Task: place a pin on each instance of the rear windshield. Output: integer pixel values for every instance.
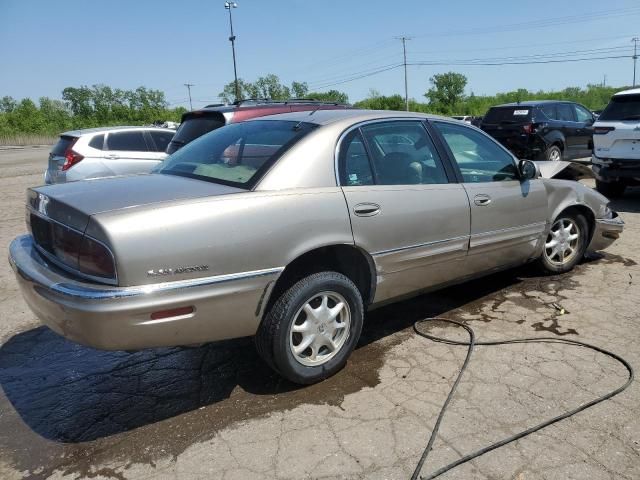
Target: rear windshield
(622, 107)
(515, 114)
(195, 126)
(60, 148)
(237, 154)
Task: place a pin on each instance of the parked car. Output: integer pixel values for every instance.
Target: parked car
(106, 152)
(289, 227)
(463, 118)
(198, 122)
(542, 130)
(616, 155)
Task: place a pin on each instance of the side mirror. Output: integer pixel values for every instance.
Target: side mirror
(528, 170)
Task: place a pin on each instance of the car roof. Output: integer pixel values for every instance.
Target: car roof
(631, 91)
(263, 104)
(530, 103)
(325, 117)
(88, 131)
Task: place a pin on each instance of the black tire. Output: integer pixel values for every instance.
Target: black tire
(547, 264)
(610, 189)
(272, 338)
(553, 153)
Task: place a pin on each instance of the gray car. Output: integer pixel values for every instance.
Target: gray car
(106, 152)
(289, 228)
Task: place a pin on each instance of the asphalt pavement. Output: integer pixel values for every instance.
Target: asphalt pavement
(217, 412)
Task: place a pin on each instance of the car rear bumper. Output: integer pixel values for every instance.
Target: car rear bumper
(606, 231)
(119, 318)
(616, 170)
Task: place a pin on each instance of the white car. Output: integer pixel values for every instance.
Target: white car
(463, 118)
(106, 152)
(616, 144)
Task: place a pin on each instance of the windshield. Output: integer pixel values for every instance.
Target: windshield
(236, 154)
(622, 107)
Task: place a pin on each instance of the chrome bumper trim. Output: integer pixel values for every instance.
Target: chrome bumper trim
(23, 262)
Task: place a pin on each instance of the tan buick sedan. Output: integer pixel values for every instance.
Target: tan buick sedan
(288, 228)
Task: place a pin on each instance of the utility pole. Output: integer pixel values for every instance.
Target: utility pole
(232, 39)
(635, 41)
(189, 85)
(406, 86)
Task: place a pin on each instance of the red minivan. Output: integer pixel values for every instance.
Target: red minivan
(198, 122)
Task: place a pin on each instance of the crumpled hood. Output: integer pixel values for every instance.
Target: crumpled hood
(564, 170)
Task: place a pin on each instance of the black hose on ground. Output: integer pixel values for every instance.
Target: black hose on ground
(471, 344)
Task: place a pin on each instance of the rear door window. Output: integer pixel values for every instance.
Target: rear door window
(97, 142)
(550, 111)
(622, 107)
(132, 141)
(161, 139)
(355, 167)
(402, 153)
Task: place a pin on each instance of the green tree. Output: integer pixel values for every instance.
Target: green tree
(446, 92)
(7, 104)
(330, 96)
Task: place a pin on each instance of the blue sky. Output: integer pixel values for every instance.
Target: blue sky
(47, 45)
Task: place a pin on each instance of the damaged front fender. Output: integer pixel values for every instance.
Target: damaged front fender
(564, 170)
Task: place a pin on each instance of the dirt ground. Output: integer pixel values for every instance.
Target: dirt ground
(216, 412)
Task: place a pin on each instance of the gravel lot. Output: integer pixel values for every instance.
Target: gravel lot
(216, 411)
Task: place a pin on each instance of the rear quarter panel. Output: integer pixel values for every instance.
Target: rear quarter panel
(230, 234)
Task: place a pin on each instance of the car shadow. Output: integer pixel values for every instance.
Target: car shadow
(629, 202)
(66, 392)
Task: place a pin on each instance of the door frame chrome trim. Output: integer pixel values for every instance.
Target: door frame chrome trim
(420, 245)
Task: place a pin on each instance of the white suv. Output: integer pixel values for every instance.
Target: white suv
(106, 152)
(616, 144)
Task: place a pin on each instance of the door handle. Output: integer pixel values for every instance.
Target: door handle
(482, 199)
(112, 156)
(366, 209)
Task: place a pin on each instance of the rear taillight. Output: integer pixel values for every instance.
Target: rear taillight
(529, 128)
(71, 157)
(95, 259)
(602, 130)
(65, 244)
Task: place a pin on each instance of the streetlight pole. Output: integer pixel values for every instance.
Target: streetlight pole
(635, 41)
(232, 39)
(189, 85)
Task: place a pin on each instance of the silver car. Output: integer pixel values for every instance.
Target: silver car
(106, 152)
(289, 228)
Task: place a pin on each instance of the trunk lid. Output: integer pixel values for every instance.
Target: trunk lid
(73, 203)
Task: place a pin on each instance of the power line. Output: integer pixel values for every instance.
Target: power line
(357, 77)
(533, 62)
(542, 23)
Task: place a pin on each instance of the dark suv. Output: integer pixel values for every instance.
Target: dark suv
(542, 130)
(198, 122)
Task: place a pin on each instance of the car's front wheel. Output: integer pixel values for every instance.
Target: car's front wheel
(312, 328)
(566, 243)
(610, 189)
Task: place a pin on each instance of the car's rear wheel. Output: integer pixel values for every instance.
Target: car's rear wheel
(610, 189)
(313, 327)
(553, 153)
(566, 243)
